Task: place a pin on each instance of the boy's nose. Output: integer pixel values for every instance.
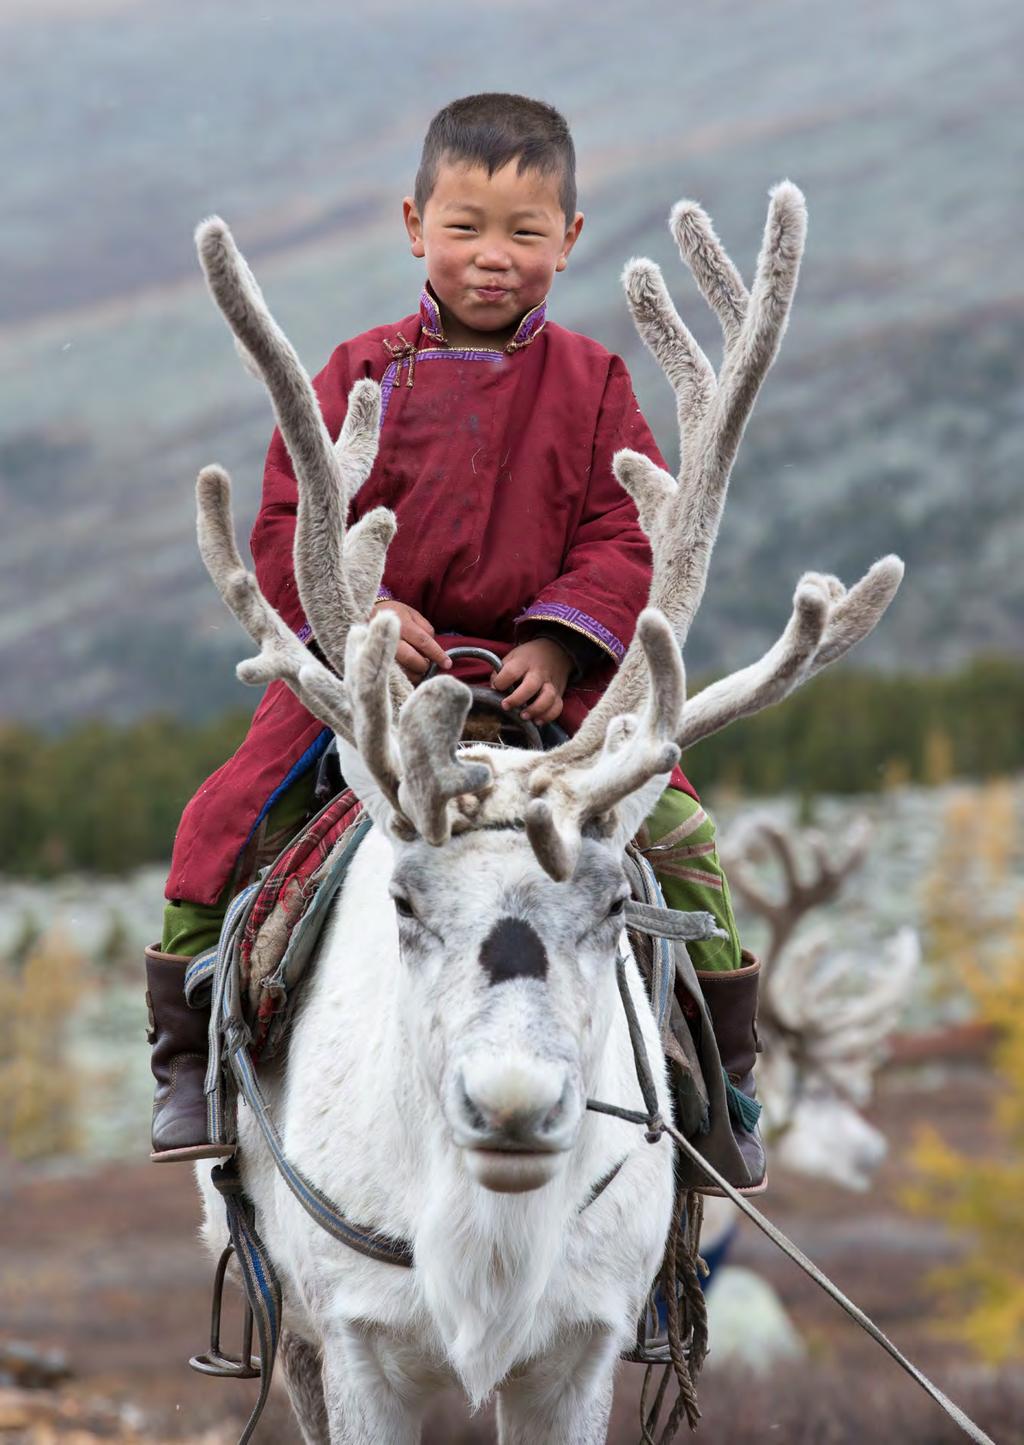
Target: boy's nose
(493, 259)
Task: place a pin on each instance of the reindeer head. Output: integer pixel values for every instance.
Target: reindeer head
(507, 880)
(825, 1013)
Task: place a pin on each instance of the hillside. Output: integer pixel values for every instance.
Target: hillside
(893, 419)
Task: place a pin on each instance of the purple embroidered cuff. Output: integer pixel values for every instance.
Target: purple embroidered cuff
(304, 633)
(579, 622)
(383, 595)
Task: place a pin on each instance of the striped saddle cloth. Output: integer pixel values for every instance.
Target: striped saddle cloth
(286, 911)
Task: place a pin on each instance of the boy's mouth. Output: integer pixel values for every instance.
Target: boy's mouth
(492, 293)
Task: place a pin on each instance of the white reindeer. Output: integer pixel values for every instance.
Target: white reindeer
(824, 1013)
(464, 1005)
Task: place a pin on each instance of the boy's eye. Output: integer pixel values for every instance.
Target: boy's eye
(527, 233)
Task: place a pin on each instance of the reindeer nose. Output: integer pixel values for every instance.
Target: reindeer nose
(511, 950)
(514, 1104)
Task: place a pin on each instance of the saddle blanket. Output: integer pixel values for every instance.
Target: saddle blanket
(272, 948)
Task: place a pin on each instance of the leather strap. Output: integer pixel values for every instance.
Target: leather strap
(260, 1282)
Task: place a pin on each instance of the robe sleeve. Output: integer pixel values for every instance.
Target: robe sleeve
(273, 534)
(606, 573)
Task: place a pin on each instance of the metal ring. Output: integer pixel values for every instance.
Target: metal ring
(491, 700)
(483, 653)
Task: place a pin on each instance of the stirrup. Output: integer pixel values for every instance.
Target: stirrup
(651, 1344)
(245, 1366)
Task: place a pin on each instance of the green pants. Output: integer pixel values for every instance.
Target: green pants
(678, 839)
(191, 928)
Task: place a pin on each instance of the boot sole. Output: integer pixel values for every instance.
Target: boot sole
(745, 1190)
(194, 1151)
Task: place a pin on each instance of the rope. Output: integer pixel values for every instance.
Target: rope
(686, 1400)
(775, 1234)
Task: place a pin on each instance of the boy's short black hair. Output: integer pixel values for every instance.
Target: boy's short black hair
(494, 128)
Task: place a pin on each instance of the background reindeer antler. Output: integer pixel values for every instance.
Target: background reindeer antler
(832, 863)
(824, 1013)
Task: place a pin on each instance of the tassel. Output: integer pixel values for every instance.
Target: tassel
(743, 1112)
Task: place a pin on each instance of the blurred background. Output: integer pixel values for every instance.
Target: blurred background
(892, 909)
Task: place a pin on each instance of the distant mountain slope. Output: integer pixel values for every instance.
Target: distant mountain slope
(893, 419)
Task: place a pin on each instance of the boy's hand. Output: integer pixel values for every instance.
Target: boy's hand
(417, 649)
(542, 669)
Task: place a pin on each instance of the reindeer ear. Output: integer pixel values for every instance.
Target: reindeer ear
(365, 786)
(632, 810)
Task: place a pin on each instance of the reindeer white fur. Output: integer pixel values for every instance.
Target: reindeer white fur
(825, 1013)
(435, 1084)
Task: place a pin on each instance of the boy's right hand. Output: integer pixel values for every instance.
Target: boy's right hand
(417, 648)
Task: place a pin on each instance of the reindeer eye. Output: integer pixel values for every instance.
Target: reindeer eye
(403, 907)
(617, 908)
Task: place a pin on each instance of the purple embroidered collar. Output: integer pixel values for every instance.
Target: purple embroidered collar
(430, 317)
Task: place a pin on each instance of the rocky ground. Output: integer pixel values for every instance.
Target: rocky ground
(101, 1264)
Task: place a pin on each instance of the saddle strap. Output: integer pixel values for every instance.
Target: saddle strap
(316, 1204)
(260, 1282)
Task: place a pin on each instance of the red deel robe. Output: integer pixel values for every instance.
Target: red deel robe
(497, 465)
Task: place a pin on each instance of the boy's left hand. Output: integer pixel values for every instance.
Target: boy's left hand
(542, 670)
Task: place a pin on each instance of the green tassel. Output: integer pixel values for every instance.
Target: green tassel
(743, 1112)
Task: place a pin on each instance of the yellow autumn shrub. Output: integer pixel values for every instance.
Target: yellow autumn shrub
(37, 1082)
(981, 1295)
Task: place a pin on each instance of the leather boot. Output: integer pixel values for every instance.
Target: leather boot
(178, 1034)
(732, 1003)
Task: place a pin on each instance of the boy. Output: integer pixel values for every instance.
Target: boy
(497, 433)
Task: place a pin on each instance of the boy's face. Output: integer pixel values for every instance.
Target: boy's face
(492, 245)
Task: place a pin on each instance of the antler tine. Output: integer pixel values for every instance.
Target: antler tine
(750, 349)
(782, 669)
(671, 343)
(849, 617)
(429, 728)
(369, 653)
(636, 750)
(800, 894)
(752, 328)
(720, 282)
(859, 610)
(555, 842)
(282, 656)
(328, 475)
(681, 519)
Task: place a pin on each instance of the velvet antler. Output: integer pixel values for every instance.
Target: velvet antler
(681, 515)
(337, 570)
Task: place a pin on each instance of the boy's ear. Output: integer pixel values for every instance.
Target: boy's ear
(414, 226)
(572, 235)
